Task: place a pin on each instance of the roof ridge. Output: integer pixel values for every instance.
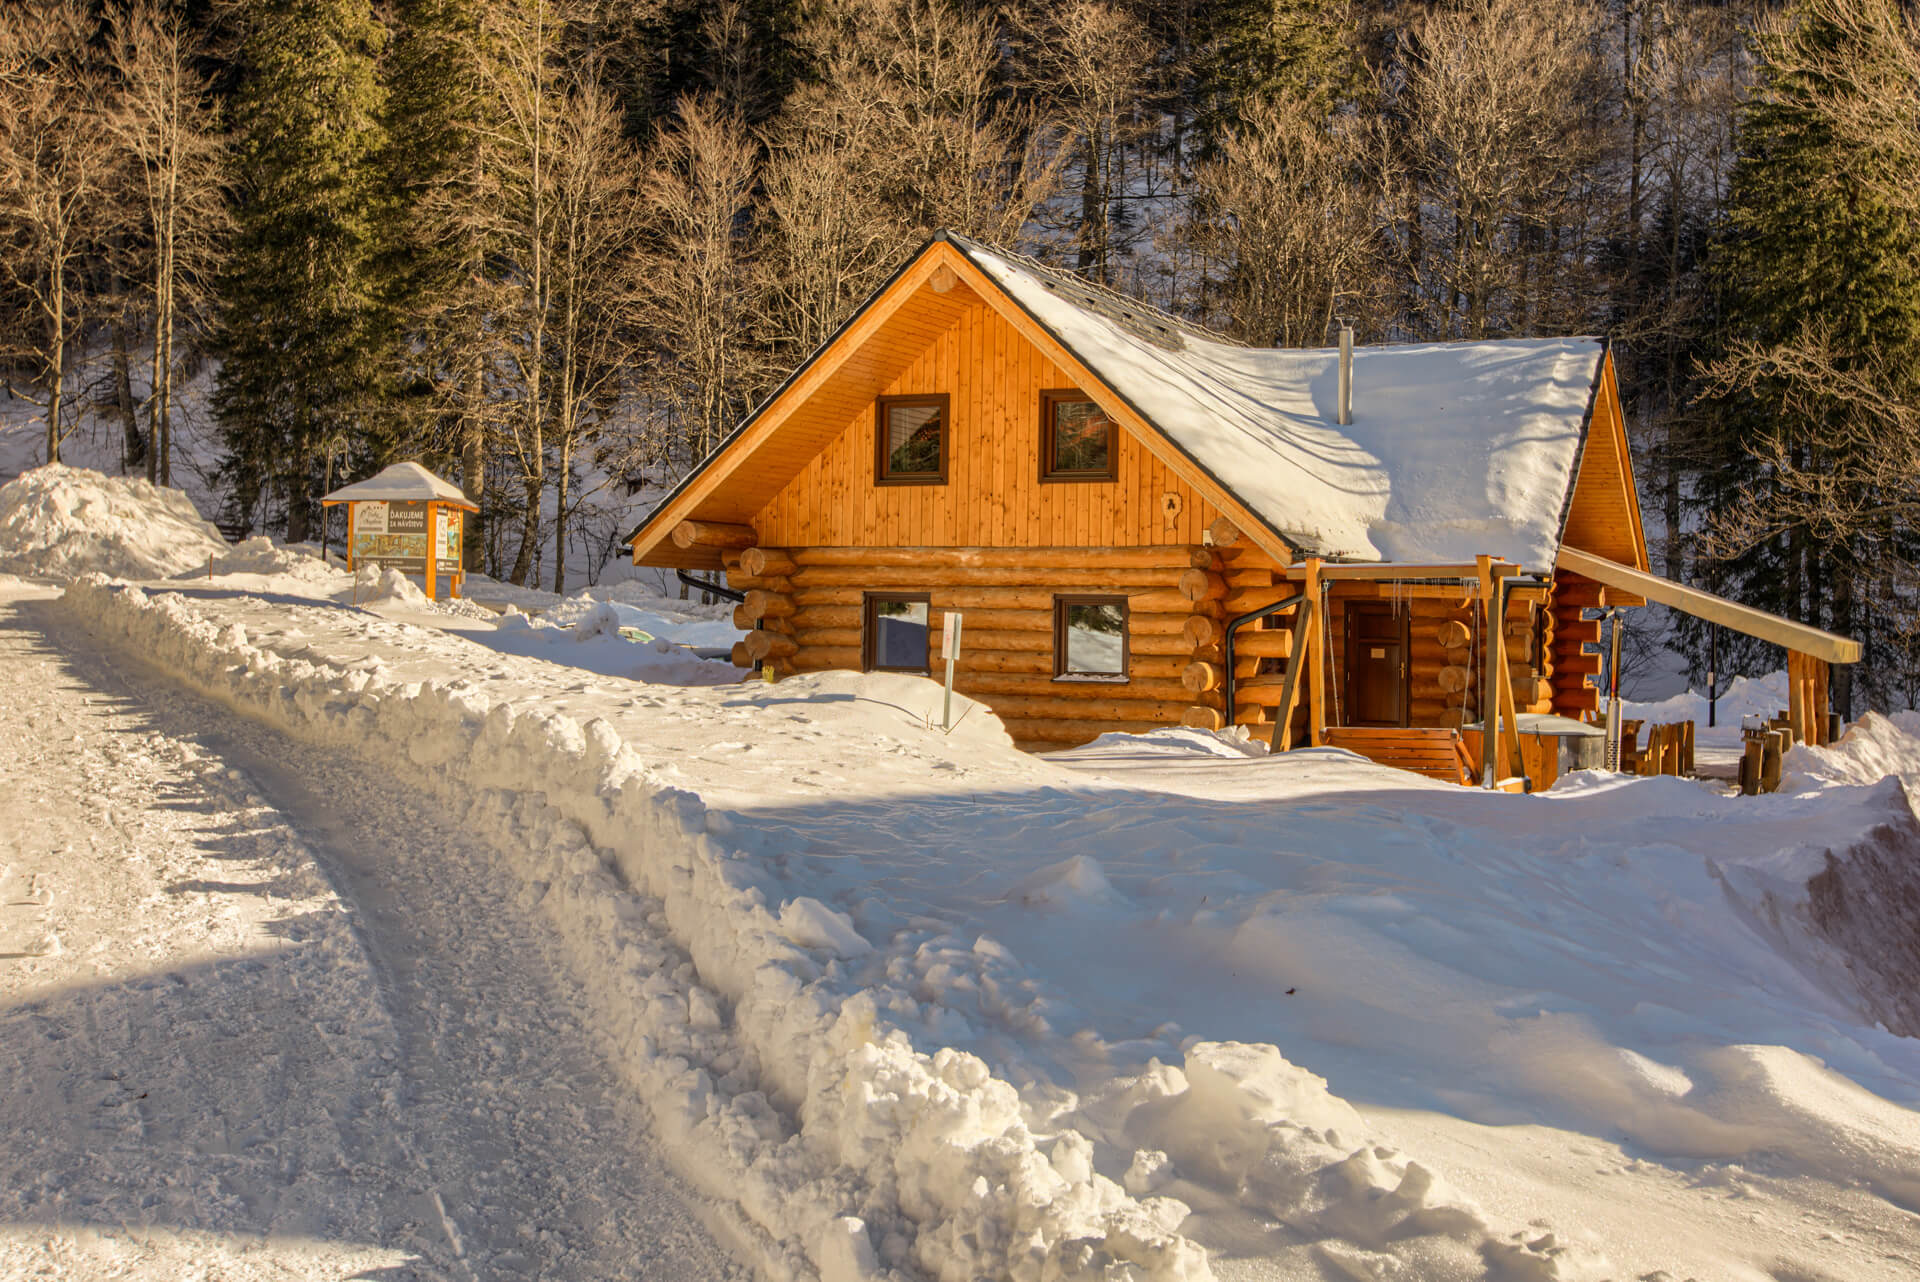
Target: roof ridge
(1124, 309)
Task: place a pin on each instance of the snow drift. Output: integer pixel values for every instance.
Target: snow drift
(63, 521)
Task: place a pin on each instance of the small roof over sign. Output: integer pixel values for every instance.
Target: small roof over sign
(402, 483)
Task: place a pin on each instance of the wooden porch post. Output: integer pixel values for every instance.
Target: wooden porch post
(1817, 681)
(1317, 664)
(433, 565)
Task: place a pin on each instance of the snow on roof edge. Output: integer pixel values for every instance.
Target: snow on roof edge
(401, 483)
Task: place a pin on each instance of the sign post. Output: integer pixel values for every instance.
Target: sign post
(950, 647)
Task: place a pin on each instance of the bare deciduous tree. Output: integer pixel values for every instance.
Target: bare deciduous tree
(164, 124)
(1504, 141)
(55, 157)
(1287, 214)
(708, 362)
(597, 226)
(1091, 63)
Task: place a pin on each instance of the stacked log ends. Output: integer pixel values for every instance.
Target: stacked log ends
(766, 563)
(768, 605)
(1454, 679)
(1201, 677)
(1202, 719)
(1200, 585)
(713, 534)
(769, 645)
(1223, 533)
(1455, 635)
(1201, 630)
(739, 655)
(744, 619)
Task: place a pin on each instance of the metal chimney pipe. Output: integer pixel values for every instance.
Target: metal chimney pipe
(1346, 373)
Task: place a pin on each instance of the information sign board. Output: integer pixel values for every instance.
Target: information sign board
(394, 534)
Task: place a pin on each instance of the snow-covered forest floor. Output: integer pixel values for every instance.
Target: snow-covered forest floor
(894, 1002)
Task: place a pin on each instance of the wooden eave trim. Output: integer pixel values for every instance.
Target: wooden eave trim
(1714, 609)
(699, 484)
(1157, 443)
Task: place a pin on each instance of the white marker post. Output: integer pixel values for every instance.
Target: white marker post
(950, 647)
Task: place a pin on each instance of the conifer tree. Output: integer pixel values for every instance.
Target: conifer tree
(303, 338)
(1295, 52)
(1819, 274)
(444, 287)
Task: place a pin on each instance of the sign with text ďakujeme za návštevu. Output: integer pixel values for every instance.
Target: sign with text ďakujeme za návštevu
(394, 534)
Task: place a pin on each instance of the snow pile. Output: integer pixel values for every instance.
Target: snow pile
(63, 521)
(1235, 741)
(658, 618)
(608, 638)
(782, 1086)
(263, 557)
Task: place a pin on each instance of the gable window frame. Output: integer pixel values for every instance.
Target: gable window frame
(882, 472)
(1062, 659)
(1050, 471)
(870, 603)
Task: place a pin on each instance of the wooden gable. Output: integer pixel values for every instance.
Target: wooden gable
(994, 495)
(801, 469)
(1603, 512)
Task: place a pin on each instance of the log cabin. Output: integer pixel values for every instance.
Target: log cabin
(1144, 523)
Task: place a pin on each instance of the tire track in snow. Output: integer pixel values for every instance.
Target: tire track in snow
(527, 1154)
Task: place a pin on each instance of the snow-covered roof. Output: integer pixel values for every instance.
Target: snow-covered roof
(1455, 449)
(401, 483)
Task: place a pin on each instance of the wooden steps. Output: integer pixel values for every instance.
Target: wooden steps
(1436, 753)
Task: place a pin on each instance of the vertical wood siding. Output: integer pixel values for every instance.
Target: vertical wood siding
(993, 496)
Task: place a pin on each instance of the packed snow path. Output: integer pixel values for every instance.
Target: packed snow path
(264, 1013)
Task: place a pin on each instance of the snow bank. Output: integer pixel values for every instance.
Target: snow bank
(263, 557)
(611, 639)
(1745, 696)
(781, 1087)
(64, 521)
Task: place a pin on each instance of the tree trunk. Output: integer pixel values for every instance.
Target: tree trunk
(56, 361)
(134, 447)
(560, 524)
(473, 463)
(529, 530)
(299, 519)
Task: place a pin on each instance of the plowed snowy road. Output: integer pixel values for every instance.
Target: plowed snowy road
(262, 1015)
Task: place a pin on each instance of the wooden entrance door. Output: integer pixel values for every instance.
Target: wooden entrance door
(1376, 676)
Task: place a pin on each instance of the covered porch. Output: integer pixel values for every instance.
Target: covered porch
(1410, 666)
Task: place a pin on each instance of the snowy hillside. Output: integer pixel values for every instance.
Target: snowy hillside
(906, 1004)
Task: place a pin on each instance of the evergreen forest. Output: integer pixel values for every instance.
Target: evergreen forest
(550, 246)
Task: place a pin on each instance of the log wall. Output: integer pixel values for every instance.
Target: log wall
(1575, 667)
(811, 617)
(993, 496)
(806, 611)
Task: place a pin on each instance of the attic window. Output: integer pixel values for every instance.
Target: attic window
(1078, 441)
(910, 436)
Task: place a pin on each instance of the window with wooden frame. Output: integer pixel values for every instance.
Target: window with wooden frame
(1090, 638)
(894, 636)
(1078, 442)
(910, 439)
